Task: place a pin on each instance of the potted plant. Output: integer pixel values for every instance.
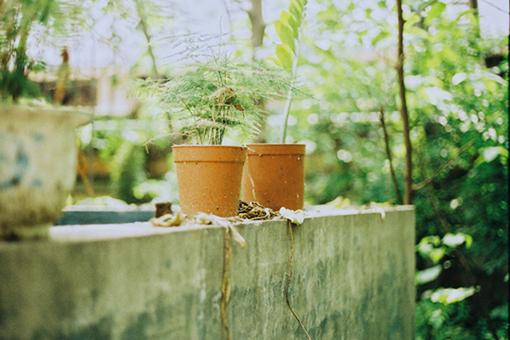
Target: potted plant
(37, 140)
(206, 102)
(274, 173)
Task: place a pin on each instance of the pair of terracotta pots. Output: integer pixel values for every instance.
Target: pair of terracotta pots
(210, 176)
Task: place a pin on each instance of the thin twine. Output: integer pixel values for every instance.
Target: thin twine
(225, 284)
(288, 277)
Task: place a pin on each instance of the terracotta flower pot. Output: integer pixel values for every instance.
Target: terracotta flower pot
(274, 175)
(209, 178)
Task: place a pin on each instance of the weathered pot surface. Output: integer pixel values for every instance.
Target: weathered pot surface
(37, 166)
(209, 178)
(274, 175)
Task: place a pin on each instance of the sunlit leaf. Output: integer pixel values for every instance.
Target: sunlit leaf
(284, 56)
(455, 240)
(494, 77)
(286, 35)
(296, 9)
(436, 10)
(437, 254)
(380, 36)
(491, 153)
(428, 275)
(448, 296)
(458, 78)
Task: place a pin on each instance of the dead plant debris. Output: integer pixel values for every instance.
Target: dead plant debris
(247, 211)
(168, 220)
(255, 212)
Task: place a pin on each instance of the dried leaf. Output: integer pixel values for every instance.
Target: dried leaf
(168, 220)
(295, 216)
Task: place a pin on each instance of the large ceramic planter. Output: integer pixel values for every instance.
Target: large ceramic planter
(37, 167)
(274, 175)
(209, 178)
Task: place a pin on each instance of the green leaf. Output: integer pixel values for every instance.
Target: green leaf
(286, 35)
(428, 275)
(296, 10)
(284, 16)
(458, 78)
(285, 57)
(448, 296)
(494, 77)
(291, 20)
(380, 36)
(412, 19)
(455, 240)
(298, 4)
(491, 153)
(437, 254)
(435, 11)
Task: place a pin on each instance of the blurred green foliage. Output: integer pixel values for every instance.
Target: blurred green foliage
(128, 171)
(17, 19)
(457, 88)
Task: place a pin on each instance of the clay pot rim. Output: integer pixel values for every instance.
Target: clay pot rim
(276, 144)
(270, 149)
(199, 153)
(208, 146)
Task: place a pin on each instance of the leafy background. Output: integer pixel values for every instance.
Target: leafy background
(457, 90)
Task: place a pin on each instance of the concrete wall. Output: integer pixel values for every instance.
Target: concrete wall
(353, 278)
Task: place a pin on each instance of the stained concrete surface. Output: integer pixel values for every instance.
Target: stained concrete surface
(353, 278)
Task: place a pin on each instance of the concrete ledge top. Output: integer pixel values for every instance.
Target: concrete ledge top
(100, 232)
(96, 232)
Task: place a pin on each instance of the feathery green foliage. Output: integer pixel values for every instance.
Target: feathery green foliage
(208, 99)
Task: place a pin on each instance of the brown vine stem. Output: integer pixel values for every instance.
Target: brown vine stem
(388, 154)
(225, 284)
(408, 194)
(288, 277)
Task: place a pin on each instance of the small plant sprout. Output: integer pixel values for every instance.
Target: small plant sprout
(288, 29)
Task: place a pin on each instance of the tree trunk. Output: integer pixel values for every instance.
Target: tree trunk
(408, 195)
(258, 26)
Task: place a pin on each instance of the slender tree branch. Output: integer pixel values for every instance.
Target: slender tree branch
(145, 30)
(388, 154)
(473, 4)
(408, 195)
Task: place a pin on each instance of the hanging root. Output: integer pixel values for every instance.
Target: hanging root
(225, 284)
(288, 277)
